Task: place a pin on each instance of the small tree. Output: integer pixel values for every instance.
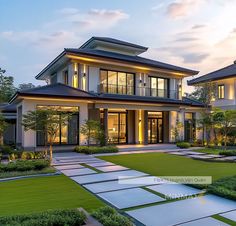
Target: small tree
(47, 121)
(3, 126)
(177, 129)
(92, 130)
(226, 120)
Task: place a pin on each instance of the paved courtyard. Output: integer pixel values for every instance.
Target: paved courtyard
(144, 197)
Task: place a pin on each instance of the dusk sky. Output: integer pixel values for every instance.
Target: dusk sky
(197, 34)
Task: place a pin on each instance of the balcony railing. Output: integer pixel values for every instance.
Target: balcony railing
(139, 91)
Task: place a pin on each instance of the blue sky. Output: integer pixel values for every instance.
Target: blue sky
(198, 34)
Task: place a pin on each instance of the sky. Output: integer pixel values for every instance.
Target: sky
(196, 34)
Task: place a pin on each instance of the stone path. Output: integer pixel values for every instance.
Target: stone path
(146, 195)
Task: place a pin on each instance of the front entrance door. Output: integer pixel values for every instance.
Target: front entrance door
(155, 131)
(117, 133)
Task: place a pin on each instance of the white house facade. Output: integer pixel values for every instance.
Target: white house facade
(137, 100)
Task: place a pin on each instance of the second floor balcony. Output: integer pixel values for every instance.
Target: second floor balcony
(139, 91)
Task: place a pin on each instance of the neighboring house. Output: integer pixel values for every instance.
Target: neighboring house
(137, 100)
(225, 81)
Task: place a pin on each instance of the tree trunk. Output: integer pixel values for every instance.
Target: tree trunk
(50, 149)
(225, 141)
(203, 135)
(1, 139)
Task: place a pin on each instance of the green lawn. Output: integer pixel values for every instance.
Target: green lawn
(161, 164)
(44, 193)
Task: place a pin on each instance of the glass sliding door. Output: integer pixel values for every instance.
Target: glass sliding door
(67, 133)
(155, 127)
(117, 133)
(130, 84)
(153, 87)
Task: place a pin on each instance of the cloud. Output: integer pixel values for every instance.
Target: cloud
(198, 26)
(182, 8)
(194, 57)
(67, 30)
(186, 39)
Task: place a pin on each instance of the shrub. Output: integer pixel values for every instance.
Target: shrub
(6, 149)
(228, 152)
(108, 216)
(225, 187)
(47, 218)
(24, 165)
(96, 150)
(183, 145)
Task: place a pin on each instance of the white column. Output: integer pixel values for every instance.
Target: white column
(198, 131)
(28, 137)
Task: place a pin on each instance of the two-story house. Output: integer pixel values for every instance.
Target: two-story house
(224, 80)
(137, 100)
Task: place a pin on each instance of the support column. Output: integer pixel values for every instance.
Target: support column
(106, 123)
(83, 117)
(181, 120)
(145, 116)
(199, 132)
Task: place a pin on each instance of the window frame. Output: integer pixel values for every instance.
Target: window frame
(117, 81)
(166, 81)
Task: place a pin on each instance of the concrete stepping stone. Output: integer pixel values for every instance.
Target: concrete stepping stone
(194, 153)
(111, 168)
(178, 153)
(97, 164)
(200, 156)
(182, 211)
(209, 221)
(230, 215)
(100, 177)
(173, 191)
(130, 197)
(76, 172)
(72, 166)
(81, 160)
(122, 184)
(230, 158)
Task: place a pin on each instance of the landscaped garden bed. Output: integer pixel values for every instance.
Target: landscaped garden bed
(96, 149)
(225, 187)
(25, 167)
(72, 217)
(108, 216)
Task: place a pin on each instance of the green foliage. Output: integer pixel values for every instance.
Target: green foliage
(176, 130)
(5, 149)
(3, 126)
(225, 187)
(7, 88)
(228, 152)
(24, 165)
(47, 121)
(47, 218)
(92, 130)
(225, 121)
(108, 216)
(96, 150)
(183, 145)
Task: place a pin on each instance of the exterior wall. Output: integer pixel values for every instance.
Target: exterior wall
(229, 102)
(94, 79)
(27, 139)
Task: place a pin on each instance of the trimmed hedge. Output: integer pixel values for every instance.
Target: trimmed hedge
(225, 187)
(108, 216)
(47, 218)
(95, 150)
(183, 145)
(24, 165)
(228, 152)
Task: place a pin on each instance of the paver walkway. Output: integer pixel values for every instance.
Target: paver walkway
(125, 188)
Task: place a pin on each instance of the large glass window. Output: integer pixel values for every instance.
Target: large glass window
(116, 82)
(221, 91)
(67, 133)
(158, 87)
